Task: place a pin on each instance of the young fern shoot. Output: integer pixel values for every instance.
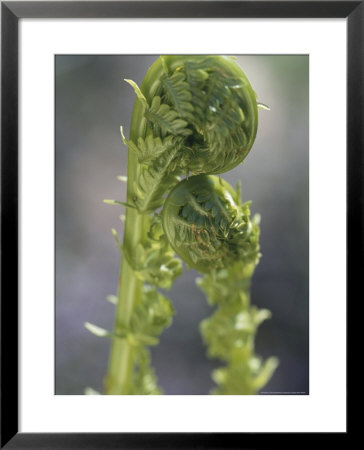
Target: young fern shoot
(194, 116)
(211, 229)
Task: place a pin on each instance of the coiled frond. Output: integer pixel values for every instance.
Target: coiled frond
(199, 115)
(207, 226)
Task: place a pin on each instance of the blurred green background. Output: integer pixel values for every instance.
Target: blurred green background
(92, 101)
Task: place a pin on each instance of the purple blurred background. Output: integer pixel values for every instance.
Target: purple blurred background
(92, 102)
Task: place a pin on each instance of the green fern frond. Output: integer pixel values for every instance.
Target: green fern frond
(165, 119)
(177, 93)
(151, 148)
(144, 381)
(229, 333)
(153, 314)
(197, 76)
(206, 226)
(154, 181)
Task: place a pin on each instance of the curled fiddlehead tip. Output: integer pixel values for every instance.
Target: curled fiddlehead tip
(193, 114)
(207, 226)
(214, 96)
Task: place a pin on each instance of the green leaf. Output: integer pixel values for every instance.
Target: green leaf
(165, 118)
(178, 93)
(265, 373)
(97, 331)
(263, 106)
(151, 148)
(151, 316)
(137, 90)
(117, 202)
(155, 181)
(112, 299)
(116, 237)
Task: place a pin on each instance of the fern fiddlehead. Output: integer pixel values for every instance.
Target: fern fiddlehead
(211, 230)
(206, 225)
(193, 114)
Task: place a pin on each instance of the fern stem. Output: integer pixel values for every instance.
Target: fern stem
(121, 362)
(118, 379)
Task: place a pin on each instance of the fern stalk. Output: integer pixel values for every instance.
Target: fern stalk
(121, 361)
(118, 378)
(211, 229)
(125, 355)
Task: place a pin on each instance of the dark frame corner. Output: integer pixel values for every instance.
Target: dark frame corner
(11, 12)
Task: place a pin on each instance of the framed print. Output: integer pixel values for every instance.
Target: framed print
(271, 157)
(187, 82)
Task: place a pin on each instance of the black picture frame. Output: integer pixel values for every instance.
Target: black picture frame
(11, 12)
